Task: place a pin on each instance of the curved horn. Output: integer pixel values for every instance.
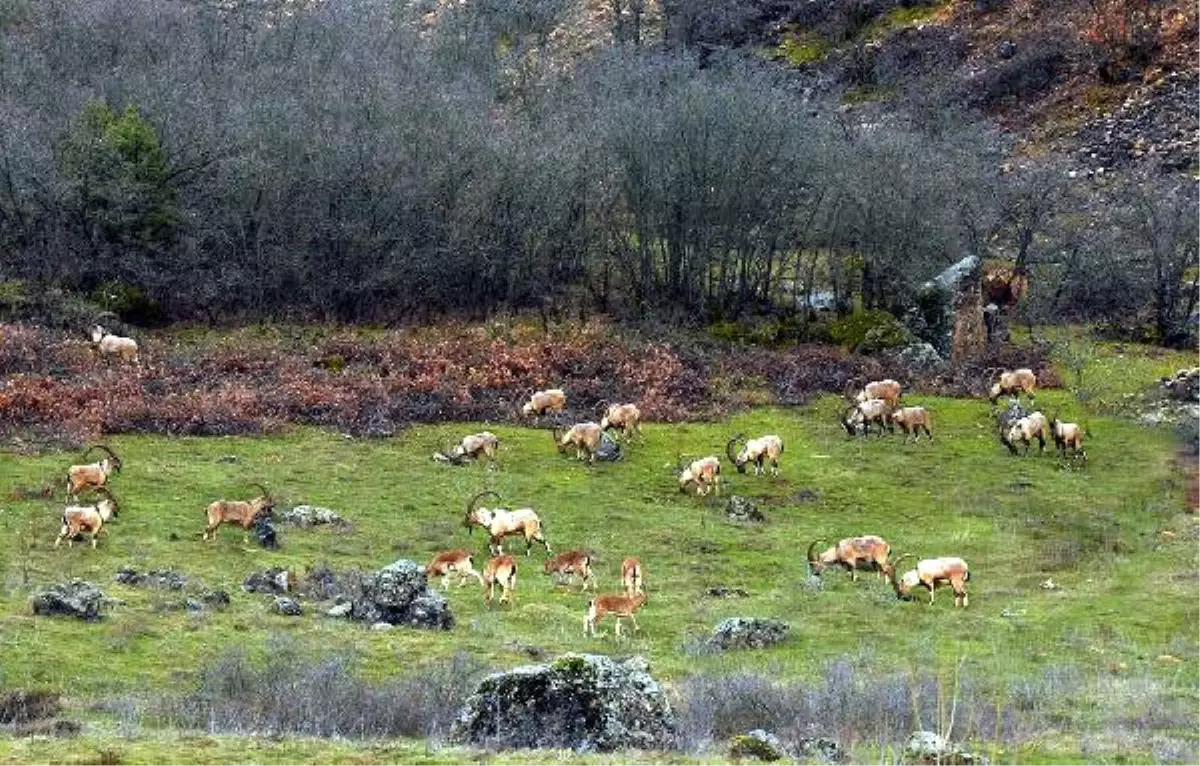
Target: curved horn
(104, 447)
(261, 489)
(729, 448)
(603, 405)
(812, 546)
(475, 499)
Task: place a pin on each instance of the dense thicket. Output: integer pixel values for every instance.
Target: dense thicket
(372, 161)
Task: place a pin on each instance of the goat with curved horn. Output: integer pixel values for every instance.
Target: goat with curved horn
(92, 475)
(501, 523)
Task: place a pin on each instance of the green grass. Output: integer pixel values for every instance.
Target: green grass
(1126, 598)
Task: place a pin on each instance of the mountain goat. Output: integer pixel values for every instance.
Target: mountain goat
(77, 519)
(110, 345)
(851, 553)
(92, 475)
(756, 451)
(929, 574)
(1014, 383)
(501, 523)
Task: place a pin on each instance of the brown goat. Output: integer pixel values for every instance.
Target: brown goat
(501, 523)
(584, 437)
(626, 417)
(503, 570)
(77, 519)
(1014, 383)
(757, 451)
(1032, 426)
(912, 420)
(929, 574)
(705, 473)
(631, 576)
(458, 561)
(864, 414)
(1067, 435)
(570, 564)
(851, 553)
(241, 512)
(471, 447)
(888, 390)
(616, 605)
(552, 399)
(92, 475)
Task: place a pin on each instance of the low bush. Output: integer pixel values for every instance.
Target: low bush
(869, 331)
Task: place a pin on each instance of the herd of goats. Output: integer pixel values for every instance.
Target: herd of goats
(876, 404)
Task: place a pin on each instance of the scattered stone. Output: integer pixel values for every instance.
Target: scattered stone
(581, 702)
(341, 609)
(747, 633)
(273, 581)
(1049, 584)
(167, 579)
(265, 533)
(217, 599)
(758, 744)
(720, 591)
(228, 459)
(806, 496)
(287, 607)
(928, 747)
(398, 594)
(311, 516)
(77, 598)
(192, 605)
(739, 508)
(822, 748)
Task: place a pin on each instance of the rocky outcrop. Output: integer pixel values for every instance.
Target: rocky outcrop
(739, 508)
(273, 581)
(399, 594)
(77, 598)
(747, 633)
(582, 702)
(167, 579)
(312, 516)
(1155, 124)
(928, 747)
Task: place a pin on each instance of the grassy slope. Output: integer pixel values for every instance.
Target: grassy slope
(1127, 597)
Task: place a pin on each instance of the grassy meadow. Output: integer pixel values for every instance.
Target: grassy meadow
(1113, 536)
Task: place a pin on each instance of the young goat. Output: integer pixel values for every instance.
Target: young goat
(756, 451)
(542, 401)
(851, 552)
(501, 523)
(616, 605)
(913, 420)
(570, 564)
(705, 473)
(240, 512)
(1067, 435)
(459, 562)
(77, 519)
(864, 414)
(470, 448)
(110, 345)
(503, 570)
(887, 390)
(92, 475)
(929, 574)
(626, 417)
(584, 437)
(1014, 382)
(631, 576)
(1032, 426)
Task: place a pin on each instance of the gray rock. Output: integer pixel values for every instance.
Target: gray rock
(265, 533)
(217, 599)
(399, 594)
(928, 747)
(382, 626)
(922, 357)
(822, 748)
(274, 581)
(608, 450)
(739, 508)
(77, 598)
(721, 591)
(340, 610)
(583, 702)
(311, 516)
(747, 633)
(287, 606)
(192, 605)
(168, 579)
(758, 744)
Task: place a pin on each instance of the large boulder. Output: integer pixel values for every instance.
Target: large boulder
(931, 748)
(584, 702)
(273, 581)
(747, 633)
(311, 516)
(399, 594)
(77, 598)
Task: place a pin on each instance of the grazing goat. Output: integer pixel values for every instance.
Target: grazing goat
(541, 401)
(1013, 383)
(1067, 435)
(864, 414)
(110, 345)
(868, 550)
(626, 417)
(501, 523)
(705, 473)
(929, 574)
(631, 576)
(913, 420)
(470, 448)
(92, 475)
(503, 570)
(459, 562)
(90, 518)
(756, 451)
(887, 390)
(584, 437)
(572, 563)
(616, 605)
(1032, 426)
(241, 512)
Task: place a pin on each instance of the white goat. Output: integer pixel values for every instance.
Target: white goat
(501, 523)
(930, 573)
(756, 451)
(110, 345)
(1014, 382)
(864, 414)
(1032, 426)
(541, 401)
(705, 473)
(626, 417)
(87, 518)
